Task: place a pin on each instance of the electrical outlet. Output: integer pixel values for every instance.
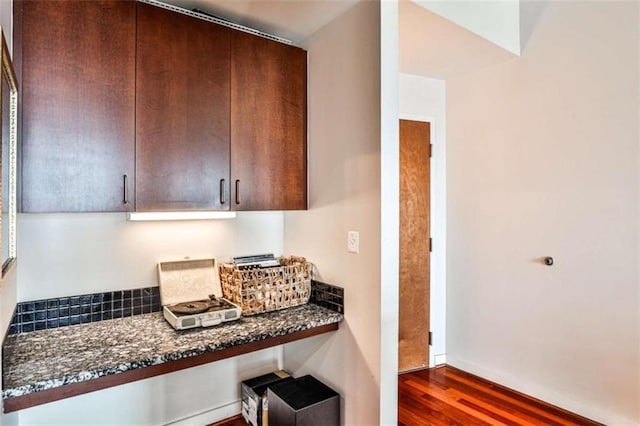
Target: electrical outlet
(353, 242)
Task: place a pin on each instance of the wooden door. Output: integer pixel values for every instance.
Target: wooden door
(268, 124)
(182, 112)
(414, 245)
(76, 62)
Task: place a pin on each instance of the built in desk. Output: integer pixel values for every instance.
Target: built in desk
(48, 365)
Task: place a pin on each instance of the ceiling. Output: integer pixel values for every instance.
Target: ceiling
(430, 45)
(433, 46)
(293, 20)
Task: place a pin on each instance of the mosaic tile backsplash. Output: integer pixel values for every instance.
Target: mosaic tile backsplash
(327, 295)
(64, 311)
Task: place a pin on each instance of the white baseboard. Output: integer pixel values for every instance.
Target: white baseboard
(210, 416)
(439, 359)
(547, 395)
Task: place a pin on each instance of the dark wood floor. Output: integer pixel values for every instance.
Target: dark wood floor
(448, 396)
(231, 421)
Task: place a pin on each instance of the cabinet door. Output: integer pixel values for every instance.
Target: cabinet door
(182, 112)
(78, 76)
(268, 124)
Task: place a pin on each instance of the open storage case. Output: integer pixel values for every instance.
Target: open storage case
(191, 296)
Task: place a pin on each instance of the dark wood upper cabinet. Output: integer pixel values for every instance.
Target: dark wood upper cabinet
(182, 112)
(268, 124)
(77, 66)
(127, 105)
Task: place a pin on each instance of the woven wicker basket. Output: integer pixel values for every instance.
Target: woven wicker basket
(267, 289)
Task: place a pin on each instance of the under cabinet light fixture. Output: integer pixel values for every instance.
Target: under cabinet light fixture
(149, 216)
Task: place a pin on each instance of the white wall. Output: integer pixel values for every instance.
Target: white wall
(344, 191)
(424, 99)
(67, 254)
(543, 160)
(70, 254)
(389, 210)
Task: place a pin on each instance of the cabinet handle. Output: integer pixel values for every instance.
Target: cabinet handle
(237, 191)
(125, 192)
(223, 195)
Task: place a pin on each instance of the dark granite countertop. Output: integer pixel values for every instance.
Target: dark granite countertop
(52, 358)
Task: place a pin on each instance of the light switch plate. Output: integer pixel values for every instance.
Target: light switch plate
(353, 242)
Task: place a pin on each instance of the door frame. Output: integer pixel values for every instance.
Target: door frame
(438, 229)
